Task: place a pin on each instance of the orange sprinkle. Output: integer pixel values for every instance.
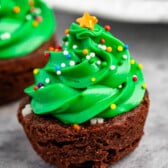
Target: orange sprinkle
(57, 50)
(51, 48)
(31, 3)
(35, 87)
(109, 49)
(32, 9)
(85, 51)
(66, 31)
(76, 126)
(16, 9)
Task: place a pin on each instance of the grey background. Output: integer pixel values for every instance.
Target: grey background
(148, 44)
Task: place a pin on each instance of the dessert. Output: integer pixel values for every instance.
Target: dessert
(26, 28)
(88, 105)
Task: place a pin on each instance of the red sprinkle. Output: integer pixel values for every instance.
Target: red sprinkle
(39, 18)
(47, 54)
(134, 78)
(107, 27)
(59, 47)
(102, 41)
(35, 87)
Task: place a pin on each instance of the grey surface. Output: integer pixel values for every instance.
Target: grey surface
(148, 45)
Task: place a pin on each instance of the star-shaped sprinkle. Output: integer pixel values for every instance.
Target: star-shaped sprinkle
(87, 21)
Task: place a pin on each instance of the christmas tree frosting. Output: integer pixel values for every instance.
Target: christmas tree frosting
(91, 75)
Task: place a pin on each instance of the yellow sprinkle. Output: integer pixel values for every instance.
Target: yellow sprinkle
(66, 31)
(35, 71)
(113, 106)
(120, 48)
(93, 79)
(132, 61)
(140, 66)
(109, 49)
(35, 23)
(76, 126)
(144, 86)
(85, 51)
(16, 9)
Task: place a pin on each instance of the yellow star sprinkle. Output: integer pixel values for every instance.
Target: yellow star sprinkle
(87, 21)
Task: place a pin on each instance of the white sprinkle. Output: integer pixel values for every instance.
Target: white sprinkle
(47, 80)
(99, 45)
(96, 121)
(5, 36)
(112, 67)
(93, 121)
(120, 86)
(100, 120)
(37, 10)
(92, 54)
(98, 62)
(58, 72)
(63, 65)
(74, 46)
(66, 43)
(65, 52)
(28, 17)
(103, 47)
(26, 110)
(124, 56)
(88, 57)
(72, 63)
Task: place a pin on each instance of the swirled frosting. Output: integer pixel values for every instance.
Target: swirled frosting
(91, 75)
(24, 26)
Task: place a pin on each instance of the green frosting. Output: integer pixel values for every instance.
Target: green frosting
(24, 26)
(92, 75)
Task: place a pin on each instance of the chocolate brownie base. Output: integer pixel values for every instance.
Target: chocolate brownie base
(16, 74)
(86, 146)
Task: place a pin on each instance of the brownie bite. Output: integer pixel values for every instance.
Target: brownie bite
(89, 103)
